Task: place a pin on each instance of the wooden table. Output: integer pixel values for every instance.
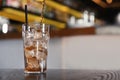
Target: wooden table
(60, 74)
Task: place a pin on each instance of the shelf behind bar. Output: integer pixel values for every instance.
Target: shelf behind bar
(55, 33)
(11, 35)
(73, 32)
(64, 8)
(19, 15)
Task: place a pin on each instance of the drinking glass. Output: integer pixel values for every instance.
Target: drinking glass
(35, 43)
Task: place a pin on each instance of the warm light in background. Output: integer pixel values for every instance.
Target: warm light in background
(85, 16)
(109, 1)
(4, 24)
(87, 20)
(92, 17)
(72, 20)
(5, 28)
(118, 18)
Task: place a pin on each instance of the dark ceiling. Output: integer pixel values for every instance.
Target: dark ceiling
(107, 13)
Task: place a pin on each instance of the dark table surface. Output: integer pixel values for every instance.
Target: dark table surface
(61, 74)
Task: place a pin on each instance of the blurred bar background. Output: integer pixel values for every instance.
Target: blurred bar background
(79, 28)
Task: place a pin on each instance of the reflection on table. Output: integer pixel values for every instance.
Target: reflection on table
(61, 74)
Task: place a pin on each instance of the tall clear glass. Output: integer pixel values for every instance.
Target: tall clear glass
(35, 39)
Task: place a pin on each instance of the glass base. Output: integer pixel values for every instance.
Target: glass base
(28, 72)
(33, 72)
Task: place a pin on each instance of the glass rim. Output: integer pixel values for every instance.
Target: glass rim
(31, 23)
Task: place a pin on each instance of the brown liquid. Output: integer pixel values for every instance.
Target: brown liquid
(42, 13)
(34, 63)
(35, 57)
(34, 66)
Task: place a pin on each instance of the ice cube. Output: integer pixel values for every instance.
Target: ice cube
(30, 51)
(41, 53)
(28, 42)
(30, 34)
(43, 64)
(33, 64)
(44, 44)
(46, 36)
(38, 34)
(42, 48)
